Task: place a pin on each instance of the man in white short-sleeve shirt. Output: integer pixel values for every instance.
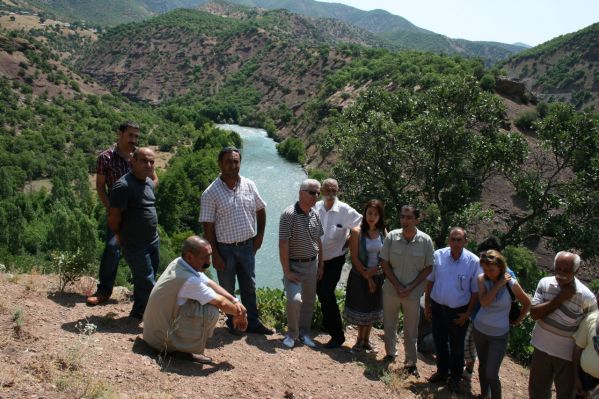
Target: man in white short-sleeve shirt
(337, 219)
(182, 310)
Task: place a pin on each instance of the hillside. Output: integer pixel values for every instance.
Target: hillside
(385, 28)
(277, 55)
(563, 69)
(51, 344)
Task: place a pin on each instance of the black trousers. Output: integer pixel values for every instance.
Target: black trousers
(449, 339)
(325, 288)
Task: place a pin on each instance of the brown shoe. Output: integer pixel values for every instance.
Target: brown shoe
(96, 299)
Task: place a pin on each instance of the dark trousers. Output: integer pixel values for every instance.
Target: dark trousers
(109, 264)
(325, 288)
(491, 351)
(545, 370)
(588, 381)
(144, 265)
(449, 339)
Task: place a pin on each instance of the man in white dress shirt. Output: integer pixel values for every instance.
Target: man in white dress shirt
(182, 310)
(337, 219)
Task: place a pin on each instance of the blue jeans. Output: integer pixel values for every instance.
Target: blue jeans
(240, 261)
(144, 265)
(109, 264)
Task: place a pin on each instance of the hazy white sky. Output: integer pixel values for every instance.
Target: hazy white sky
(528, 21)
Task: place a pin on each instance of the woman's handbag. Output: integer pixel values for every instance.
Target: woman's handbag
(515, 307)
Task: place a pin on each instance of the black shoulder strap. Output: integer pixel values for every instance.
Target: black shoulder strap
(510, 291)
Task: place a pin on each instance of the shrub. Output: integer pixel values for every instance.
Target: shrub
(519, 343)
(70, 266)
(526, 120)
(524, 264)
(487, 82)
(292, 149)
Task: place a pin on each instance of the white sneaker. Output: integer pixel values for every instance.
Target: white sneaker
(289, 342)
(306, 340)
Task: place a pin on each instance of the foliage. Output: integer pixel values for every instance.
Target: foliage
(70, 266)
(519, 343)
(526, 120)
(292, 149)
(561, 184)
(524, 264)
(407, 147)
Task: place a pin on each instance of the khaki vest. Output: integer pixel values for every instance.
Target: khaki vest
(169, 327)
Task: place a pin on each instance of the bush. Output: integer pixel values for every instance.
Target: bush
(524, 264)
(526, 120)
(487, 82)
(519, 343)
(70, 266)
(292, 149)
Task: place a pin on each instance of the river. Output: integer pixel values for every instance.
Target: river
(278, 181)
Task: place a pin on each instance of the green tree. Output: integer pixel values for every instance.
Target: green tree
(434, 148)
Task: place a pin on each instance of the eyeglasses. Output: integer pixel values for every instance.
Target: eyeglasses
(312, 193)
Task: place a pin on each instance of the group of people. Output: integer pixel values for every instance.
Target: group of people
(467, 297)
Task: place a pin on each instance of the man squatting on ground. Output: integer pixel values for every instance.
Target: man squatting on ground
(183, 307)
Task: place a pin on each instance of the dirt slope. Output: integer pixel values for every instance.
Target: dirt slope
(57, 353)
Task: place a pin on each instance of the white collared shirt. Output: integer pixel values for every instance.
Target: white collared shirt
(196, 288)
(336, 223)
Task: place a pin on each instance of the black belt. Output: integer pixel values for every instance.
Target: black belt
(236, 244)
(445, 307)
(303, 260)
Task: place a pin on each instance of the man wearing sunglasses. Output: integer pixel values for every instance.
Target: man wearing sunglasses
(300, 252)
(559, 305)
(183, 307)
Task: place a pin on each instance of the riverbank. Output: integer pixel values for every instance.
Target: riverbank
(64, 349)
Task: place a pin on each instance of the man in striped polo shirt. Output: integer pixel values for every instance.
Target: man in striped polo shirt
(234, 216)
(300, 251)
(559, 305)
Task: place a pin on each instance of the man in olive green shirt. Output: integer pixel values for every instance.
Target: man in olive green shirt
(407, 259)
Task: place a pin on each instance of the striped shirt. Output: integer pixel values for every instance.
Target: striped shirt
(233, 212)
(301, 230)
(553, 333)
(112, 166)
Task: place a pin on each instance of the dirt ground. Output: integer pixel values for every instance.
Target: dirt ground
(54, 346)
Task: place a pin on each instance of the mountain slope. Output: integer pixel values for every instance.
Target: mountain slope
(276, 53)
(565, 68)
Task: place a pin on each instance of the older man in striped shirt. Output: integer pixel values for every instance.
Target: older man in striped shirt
(300, 251)
(560, 304)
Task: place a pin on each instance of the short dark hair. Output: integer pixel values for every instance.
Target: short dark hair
(488, 243)
(228, 150)
(380, 208)
(126, 125)
(412, 208)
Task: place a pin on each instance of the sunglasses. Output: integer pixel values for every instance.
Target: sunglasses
(488, 258)
(312, 193)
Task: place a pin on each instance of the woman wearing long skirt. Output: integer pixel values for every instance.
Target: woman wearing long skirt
(364, 296)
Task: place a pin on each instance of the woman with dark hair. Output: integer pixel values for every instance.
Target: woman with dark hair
(492, 323)
(364, 300)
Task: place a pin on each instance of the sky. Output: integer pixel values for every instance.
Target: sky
(508, 21)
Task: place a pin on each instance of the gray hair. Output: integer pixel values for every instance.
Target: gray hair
(193, 244)
(142, 149)
(576, 259)
(330, 182)
(457, 228)
(308, 183)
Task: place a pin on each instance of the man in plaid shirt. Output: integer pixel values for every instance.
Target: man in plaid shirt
(234, 216)
(111, 165)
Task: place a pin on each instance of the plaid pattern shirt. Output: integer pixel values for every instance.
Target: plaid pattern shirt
(233, 212)
(112, 166)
